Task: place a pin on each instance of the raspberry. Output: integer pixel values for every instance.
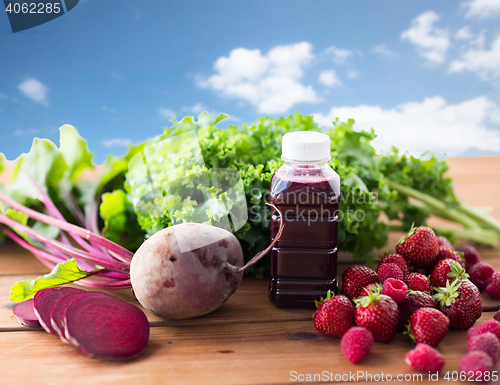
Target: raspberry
(496, 317)
(375, 287)
(442, 241)
(488, 343)
(493, 289)
(480, 274)
(470, 254)
(492, 326)
(399, 260)
(425, 358)
(356, 343)
(417, 282)
(477, 362)
(389, 270)
(395, 288)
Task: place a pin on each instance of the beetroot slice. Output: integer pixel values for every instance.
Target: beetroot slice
(44, 303)
(25, 313)
(57, 314)
(106, 327)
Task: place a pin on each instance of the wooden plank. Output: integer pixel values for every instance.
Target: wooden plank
(248, 305)
(16, 260)
(246, 341)
(480, 165)
(252, 353)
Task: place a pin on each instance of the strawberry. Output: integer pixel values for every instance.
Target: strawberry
(389, 270)
(418, 282)
(420, 247)
(396, 289)
(356, 344)
(470, 255)
(379, 314)
(443, 241)
(477, 362)
(425, 358)
(447, 270)
(492, 326)
(399, 260)
(335, 315)
(461, 302)
(413, 301)
(428, 325)
(355, 278)
(488, 343)
(493, 289)
(446, 252)
(480, 274)
(375, 287)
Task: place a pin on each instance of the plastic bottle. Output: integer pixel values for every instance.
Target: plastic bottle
(306, 190)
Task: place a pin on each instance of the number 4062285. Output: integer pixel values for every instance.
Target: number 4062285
(34, 8)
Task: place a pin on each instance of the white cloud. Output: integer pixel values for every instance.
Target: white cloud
(108, 109)
(116, 142)
(166, 113)
(383, 50)
(269, 82)
(431, 42)
(353, 74)
(33, 131)
(482, 62)
(197, 109)
(483, 8)
(329, 79)
(464, 33)
(35, 90)
(340, 55)
(430, 125)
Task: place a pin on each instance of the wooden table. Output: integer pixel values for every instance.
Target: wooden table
(246, 341)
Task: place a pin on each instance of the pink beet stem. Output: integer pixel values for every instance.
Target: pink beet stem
(91, 224)
(106, 285)
(56, 213)
(71, 251)
(85, 234)
(260, 254)
(73, 207)
(47, 259)
(50, 261)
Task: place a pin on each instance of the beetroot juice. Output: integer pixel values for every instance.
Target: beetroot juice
(306, 190)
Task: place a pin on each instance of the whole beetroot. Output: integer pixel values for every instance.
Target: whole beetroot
(167, 281)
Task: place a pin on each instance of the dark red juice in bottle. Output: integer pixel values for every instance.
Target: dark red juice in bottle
(306, 191)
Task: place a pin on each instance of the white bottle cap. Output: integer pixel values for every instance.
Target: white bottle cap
(306, 146)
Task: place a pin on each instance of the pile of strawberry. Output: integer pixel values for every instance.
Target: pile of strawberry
(422, 290)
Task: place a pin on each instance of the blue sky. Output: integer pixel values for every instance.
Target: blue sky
(424, 74)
